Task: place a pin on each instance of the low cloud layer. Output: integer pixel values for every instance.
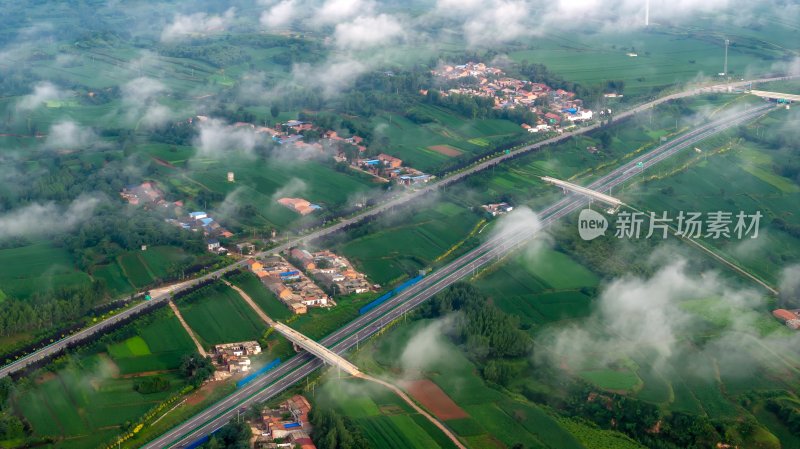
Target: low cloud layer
(68, 135)
(42, 93)
(216, 138)
(140, 100)
(636, 315)
(47, 218)
(186, 26)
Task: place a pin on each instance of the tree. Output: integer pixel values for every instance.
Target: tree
(274, 111)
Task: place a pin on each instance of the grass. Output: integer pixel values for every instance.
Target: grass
(592, 437)
(220, 315)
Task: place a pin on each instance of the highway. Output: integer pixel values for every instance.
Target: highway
(161, 295)
(297, 367)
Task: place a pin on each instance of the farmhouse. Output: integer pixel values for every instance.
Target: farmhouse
(299, 205)
(233, 358)
(496, 209)
(791, 318)
(288, 423)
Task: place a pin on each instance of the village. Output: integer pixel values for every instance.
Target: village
(552, 107)
(296, 290)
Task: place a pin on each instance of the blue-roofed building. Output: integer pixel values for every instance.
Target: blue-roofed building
(287, 139)
(206, 221)
(198, 215)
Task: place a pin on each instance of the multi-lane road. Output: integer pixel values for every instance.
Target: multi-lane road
(366, 325)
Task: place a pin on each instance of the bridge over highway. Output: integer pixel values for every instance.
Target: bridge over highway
(317, 350)
(774, 95)
(593, 194)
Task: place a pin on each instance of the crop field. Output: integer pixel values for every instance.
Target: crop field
(384, 419)
(664, 55)
(83, 404)
(406, 245)
(490, 414)
(265, 299)
(159, 345)
(412, 142)
(37, 267)
(221, 316)
(540, 287)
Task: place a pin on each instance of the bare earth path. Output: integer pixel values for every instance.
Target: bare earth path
(252, 303)
(188, 329)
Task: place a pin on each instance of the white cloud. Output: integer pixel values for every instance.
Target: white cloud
(46, 218)
(295, 187)
(68, 135)
(366, 31)
(140, 99)
(336, 11)
(332, 76)
(280, 14)
(184, 26)
(42, 93)
(217, 138)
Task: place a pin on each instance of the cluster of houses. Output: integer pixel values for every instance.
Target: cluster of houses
(147, 194)
(299, 205)
(290, 285)
(286, 426)
(332, 270)
(391, 168)
(200, 221)
(553, 107)
(234, 358)
(496, 209)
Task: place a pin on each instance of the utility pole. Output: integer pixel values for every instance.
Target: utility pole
(725, 67)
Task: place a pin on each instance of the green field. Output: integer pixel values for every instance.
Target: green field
(86, 404)
(37, 267)
(159, 345)
(666, 54)
(219, 315)
(261, 295)
(409, 241)
(410, 141)
(384, 418)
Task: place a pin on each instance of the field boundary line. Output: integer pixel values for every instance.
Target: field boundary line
(187, 328)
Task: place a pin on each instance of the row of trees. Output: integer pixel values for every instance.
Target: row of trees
(333, 431)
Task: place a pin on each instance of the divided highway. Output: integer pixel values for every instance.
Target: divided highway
(287, 374)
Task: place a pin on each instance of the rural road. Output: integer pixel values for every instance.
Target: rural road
(294, 369)
(161, 295)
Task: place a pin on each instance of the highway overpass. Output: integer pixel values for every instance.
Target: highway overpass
(775, 95)
(602, 197)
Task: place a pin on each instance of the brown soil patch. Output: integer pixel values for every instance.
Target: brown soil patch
(162, 162)
(45, 377)
(447, 150)
(145, 373)
(200, 395)
(434, 399)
